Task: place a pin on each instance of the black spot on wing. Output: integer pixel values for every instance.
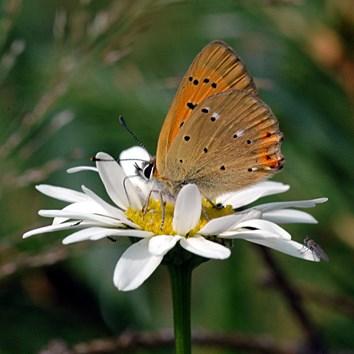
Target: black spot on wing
(191, 105)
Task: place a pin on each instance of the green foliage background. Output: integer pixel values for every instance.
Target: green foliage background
(301, 55)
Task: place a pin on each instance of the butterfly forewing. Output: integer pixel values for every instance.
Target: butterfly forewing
(230, 141)
(216, 69)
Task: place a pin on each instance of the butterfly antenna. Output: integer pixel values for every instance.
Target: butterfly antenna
(123, 123)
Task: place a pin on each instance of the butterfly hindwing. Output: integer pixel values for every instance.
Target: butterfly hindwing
(215, 69)
(230, 141)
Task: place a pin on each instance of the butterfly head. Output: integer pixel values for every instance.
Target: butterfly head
(147, 169)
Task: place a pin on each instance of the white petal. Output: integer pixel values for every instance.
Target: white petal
(88, 206)
(188, 208)
(83, 235)
(81, 168)
(159, 245)
(134, 266)
(61, 193)
(249, 235)
(96, 233)
(133, 156)
(293, 204)
(249, 214)
(118, 187)
(289, 216)
(250, 194)
(104, 220)
(109, 209)
(264, 225)
(205, 248)
(289, 247)
(51, 228)
(224, 223)
(274, 241)
(127, 233)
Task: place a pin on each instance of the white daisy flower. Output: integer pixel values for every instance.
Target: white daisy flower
(190, 222)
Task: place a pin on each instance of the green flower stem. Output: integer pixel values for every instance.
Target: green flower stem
(181, 276)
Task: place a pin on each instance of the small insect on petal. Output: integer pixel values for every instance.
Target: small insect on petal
(316, 249)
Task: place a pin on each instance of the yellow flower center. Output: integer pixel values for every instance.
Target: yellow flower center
(158, 219)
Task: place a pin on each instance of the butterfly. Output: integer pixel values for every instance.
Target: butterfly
(218, 133)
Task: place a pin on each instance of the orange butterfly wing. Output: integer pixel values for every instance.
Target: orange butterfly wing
(215, 69)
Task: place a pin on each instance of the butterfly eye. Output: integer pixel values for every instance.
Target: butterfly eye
(148, 170)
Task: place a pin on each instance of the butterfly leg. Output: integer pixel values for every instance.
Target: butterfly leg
(163, 210)
(205, 214)
(162, 203)
(125, 180)
(214, 205)
(147, 202)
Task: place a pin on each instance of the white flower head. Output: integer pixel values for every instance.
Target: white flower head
(191, 222)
